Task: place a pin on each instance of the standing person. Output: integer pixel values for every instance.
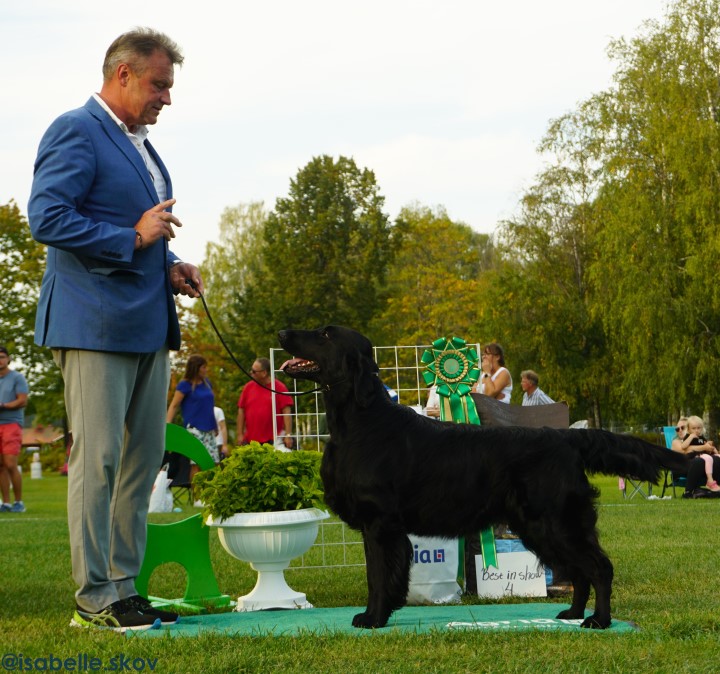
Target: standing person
(255, 418)
(13, 398)
(221, 439)
(101, 200)
(195, 399)
(495, 380)
(533, 394)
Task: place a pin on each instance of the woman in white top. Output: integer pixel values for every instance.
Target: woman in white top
(495, 380)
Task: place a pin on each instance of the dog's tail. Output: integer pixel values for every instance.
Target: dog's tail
(613, 454)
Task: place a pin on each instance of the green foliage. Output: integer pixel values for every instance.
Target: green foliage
(604, 282)
(22, 261)
(324, 254)
(608, 287)
(660, 148)
(229, 265)
(433, 285)
(258, 478)
(540, 295)
(52, 458)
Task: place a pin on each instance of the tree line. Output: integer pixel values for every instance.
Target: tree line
(604, 281)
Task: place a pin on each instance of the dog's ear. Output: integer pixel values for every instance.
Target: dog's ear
(363, 372)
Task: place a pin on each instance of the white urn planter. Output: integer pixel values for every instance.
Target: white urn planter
(269, 542)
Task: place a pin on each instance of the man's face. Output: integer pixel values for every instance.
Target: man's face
(144, 95)
(257, 372)
(4, 360)
(526, 385)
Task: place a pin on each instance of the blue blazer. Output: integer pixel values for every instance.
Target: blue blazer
(90, 188)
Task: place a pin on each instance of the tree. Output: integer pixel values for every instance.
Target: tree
(660, 128)
(323, 257)
(433, 285)
(23, 262)
(227, 269)
(540, 305)
(611, 262)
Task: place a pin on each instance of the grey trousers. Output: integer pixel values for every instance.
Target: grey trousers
(116, 405)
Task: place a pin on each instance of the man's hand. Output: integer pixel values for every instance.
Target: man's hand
(179, 274)
(156, 223)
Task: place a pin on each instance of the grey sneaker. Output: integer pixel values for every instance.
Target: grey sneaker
(118, 617)
(17, 507)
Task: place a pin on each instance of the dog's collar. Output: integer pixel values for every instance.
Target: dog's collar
(327, 387)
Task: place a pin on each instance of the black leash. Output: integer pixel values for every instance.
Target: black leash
(230, 353)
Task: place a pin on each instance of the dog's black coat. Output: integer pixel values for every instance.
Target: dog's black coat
(390, 472)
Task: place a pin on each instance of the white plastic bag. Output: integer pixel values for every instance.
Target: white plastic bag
(433, 575)
(161, 499)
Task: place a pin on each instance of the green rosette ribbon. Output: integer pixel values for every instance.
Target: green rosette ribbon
(452, 367)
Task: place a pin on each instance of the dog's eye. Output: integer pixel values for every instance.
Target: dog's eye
(325, 334)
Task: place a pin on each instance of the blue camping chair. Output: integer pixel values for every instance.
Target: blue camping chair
(671, 479)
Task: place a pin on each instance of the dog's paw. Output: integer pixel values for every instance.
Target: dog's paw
(570, 614)
(594, 622)
(366, 621)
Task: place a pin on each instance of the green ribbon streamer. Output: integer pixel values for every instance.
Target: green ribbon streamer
(452, 367)
(488, 549)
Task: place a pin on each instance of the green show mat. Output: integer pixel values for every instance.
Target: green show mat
(411, 619)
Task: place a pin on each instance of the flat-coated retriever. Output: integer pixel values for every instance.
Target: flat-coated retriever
(390, 472)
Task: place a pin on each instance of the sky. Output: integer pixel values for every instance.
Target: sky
(445, 101)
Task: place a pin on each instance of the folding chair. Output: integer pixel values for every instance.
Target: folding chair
(182, 447)
(672, 479)
(630, 486)
(635, 487)
(179, 473)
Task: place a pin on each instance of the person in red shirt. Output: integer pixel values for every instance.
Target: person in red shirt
(255, 417)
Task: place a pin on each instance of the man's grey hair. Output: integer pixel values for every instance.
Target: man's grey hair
(264, 364)
(135, 47)
(530, 375)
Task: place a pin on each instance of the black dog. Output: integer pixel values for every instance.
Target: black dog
(390, 472)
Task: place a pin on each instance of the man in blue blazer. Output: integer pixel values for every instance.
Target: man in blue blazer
(101, 200)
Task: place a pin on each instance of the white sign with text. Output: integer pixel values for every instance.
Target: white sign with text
(520, 575)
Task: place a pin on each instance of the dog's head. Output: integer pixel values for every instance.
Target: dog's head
(331, 356)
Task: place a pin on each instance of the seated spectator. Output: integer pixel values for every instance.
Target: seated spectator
(495, 380)
(681, 431)
(432, 408)
(533, 394)
(697, 444)
(696, 474)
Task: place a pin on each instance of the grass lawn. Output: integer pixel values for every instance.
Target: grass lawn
(666, 581)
